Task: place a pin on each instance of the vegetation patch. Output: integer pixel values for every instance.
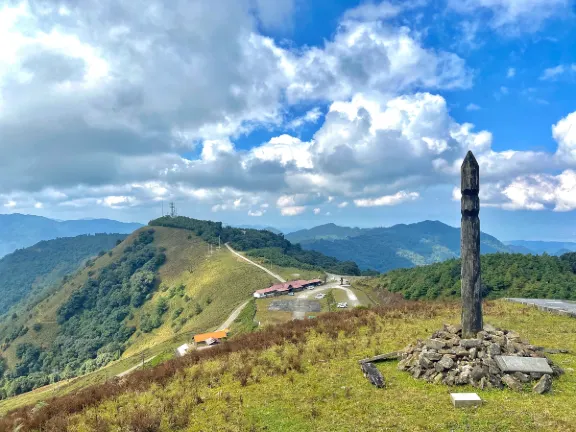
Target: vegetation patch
(503, 275)
(252, 381)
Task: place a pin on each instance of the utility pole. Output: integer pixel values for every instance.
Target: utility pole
(472, 321)
(218, 242)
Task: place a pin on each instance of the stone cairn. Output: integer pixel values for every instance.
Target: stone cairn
(449, 359)
(465, 354)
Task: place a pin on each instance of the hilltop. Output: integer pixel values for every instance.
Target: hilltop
(31, 270)
(304, 375)
(503, 275)
(19, 231)
(399, 246)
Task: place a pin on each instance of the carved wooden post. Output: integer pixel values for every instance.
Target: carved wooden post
(470, 248)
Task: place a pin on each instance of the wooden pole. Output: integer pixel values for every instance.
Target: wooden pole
(470, 248)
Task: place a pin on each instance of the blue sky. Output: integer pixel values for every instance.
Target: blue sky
(291, 113)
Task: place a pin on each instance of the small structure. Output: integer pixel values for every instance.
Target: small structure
(461, 400)
(286, 288)
(205, 337)
(182, 350)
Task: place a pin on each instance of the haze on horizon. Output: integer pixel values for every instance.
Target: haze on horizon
(288, 114)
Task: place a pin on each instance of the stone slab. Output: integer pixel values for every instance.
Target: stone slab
(460, 400)
(523, 364)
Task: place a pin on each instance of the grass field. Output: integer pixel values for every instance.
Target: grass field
(312, 382)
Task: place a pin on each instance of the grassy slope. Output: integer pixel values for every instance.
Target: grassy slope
(223, 279)
(226, 280)
(315, 384)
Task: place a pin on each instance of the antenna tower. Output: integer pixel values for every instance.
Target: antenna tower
(173, 212)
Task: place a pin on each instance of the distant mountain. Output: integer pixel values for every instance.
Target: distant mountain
(30, 270)
(399, 246)
(540, 247)
(324, 232)
(19, 231)
(259, 227)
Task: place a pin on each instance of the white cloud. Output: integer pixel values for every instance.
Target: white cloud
(388, 200)
(564, 132)
(553, 73)
(472, 107)
(311, 116)
(317, 211)
(515, 16)
(511, 73)
(256, 213)
(292, 211)
(343, 204)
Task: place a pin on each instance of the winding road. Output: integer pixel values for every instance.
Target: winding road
(255, 264)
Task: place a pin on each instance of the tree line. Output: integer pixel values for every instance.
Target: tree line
(503, 275)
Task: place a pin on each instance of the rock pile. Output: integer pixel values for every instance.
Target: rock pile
(447, 358)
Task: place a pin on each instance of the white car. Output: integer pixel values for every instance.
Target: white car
(311, 287)
(320, 296)
(342, 305)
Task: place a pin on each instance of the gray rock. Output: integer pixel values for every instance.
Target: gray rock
(417, 373)
(438, 378)
(512, 383)
(473, 353)
(435, 344)
(494, 349)
(544, 385)
(431, 355)
(477, 373)
(557, 370)
(454, 329)
(522, 377)
(471, 343)
(425, 362)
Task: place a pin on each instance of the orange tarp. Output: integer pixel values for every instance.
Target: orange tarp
(216, 335)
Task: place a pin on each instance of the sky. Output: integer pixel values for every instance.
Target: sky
(290, 113)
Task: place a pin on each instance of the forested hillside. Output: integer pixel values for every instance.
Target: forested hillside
(401, 246)
(273, 248)
(503, 275)
(324, 232)
(158, 284)
(28, 271)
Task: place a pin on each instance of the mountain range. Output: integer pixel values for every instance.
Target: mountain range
(540, 247)
(399, 246)
(19, 231)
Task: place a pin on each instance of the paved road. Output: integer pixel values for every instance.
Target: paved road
(133, 368)
(557, 306)
(226, 324)
(255, 264)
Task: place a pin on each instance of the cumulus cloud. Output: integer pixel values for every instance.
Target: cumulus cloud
(388, 200)
(511, 73)
(317, 211)
(292, 211)
(89, 115)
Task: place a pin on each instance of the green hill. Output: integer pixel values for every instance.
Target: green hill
(157, 285)
(270, 247)
(27, 272)
(401, 246)
(503, 275)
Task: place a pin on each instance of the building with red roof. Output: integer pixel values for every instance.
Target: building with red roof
(286, 287)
